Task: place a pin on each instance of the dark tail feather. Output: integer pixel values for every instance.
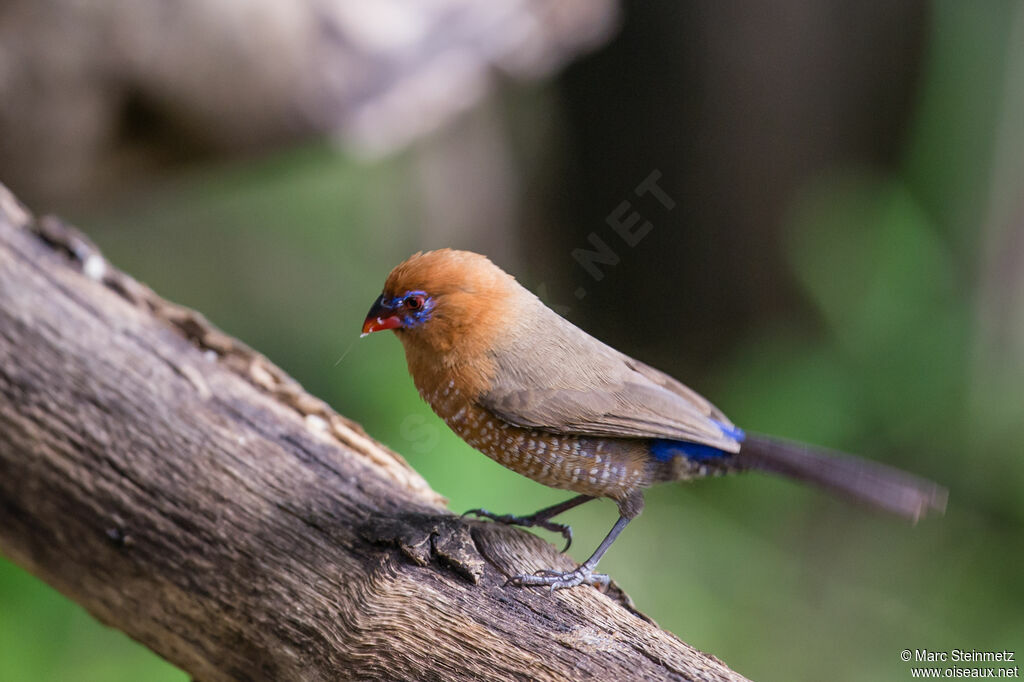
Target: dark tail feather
(860, 480)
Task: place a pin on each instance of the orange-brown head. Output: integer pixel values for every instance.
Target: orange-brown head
(447, 307)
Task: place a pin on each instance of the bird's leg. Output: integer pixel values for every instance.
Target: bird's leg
(584, 573)
(541, 519)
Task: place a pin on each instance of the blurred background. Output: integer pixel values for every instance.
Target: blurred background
(835, 253)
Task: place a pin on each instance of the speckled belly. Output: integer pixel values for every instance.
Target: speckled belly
(592, 466)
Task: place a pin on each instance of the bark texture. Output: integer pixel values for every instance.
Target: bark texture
(186, 491)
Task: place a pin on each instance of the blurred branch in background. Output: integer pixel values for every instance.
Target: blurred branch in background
(95, 94)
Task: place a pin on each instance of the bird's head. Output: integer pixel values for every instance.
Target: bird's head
(436, 300)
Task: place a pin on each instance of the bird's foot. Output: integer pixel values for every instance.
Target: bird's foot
(532, 521)
(557, 580)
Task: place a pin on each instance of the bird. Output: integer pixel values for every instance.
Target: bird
(540, 396)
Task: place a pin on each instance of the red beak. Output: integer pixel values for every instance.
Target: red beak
(380, 318)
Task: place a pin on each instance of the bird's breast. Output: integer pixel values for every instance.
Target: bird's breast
(602, 467)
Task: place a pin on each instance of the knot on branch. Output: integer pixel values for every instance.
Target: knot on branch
(428, 538)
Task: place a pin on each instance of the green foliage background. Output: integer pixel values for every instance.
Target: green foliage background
(287, 253)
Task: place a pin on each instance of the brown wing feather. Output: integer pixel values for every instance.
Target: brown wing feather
(553, 376)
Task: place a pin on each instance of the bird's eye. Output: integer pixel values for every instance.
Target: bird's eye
(413, 302)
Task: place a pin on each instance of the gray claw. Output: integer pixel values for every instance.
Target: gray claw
(526, 522)
(557, 580)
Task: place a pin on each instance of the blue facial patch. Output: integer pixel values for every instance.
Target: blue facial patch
(412, 318)
(665, 450)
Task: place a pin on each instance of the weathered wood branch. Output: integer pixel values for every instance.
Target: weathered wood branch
(186, 491)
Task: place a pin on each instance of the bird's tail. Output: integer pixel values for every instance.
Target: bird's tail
(860, 480)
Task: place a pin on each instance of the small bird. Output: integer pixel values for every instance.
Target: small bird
(540, 396)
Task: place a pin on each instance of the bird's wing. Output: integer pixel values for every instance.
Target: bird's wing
(560, 379)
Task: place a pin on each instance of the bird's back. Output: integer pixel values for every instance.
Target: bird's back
(551, 375)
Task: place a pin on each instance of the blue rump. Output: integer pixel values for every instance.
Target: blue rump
(663, 450)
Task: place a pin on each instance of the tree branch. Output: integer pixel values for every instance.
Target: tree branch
(186, 491)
